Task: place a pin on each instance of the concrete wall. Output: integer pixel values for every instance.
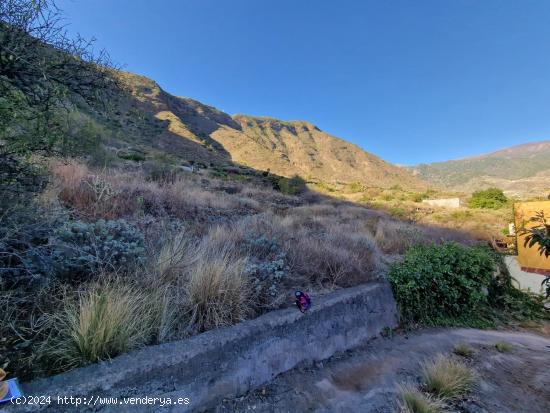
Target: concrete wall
(230, 361)
(524, 280)
(447, 203)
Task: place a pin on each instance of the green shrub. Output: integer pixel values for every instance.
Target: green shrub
(291, 186)
(443, 284)
(82, 247)
(491, 198)
(136, 157)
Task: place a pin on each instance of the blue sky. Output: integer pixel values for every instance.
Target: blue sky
(411, 81)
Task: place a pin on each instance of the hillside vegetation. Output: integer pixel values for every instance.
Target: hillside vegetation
(519, 170)
(126, 218)
(284, 148)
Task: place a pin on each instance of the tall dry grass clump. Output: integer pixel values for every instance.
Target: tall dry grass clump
(174, 258)
(217, 292)
(107, 319)
(414, 401)
(447, 378)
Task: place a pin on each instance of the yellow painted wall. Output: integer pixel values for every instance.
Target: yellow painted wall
(523, 211)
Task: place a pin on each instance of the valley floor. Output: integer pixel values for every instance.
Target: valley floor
(367, 379)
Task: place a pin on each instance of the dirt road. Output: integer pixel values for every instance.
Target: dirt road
(366, 379)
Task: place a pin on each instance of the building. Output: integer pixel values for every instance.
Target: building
(529, 258)
(446, 203)
(529, 267)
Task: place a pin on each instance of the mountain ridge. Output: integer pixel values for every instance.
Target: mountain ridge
(286, 148)
(520, 169)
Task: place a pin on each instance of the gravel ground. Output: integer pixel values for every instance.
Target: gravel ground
(366, 379)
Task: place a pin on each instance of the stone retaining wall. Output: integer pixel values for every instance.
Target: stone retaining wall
(229, 361)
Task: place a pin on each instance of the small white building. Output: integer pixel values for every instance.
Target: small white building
(446, 203)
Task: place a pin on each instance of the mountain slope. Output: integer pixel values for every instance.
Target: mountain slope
(300, 148)
(285, 148)
(522, 169)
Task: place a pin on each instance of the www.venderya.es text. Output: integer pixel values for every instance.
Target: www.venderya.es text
(100, 400)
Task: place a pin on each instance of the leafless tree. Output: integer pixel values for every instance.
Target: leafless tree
(44, 74)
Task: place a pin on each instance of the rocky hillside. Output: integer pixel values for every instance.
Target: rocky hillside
(194, 131)
(519, 170)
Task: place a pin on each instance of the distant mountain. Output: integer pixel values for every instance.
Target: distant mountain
(194, 131)
(519, 170)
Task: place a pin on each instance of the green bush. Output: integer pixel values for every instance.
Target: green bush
(291, 186)
(491, 198)
(136, 157)
(82, 248)
(443, 284)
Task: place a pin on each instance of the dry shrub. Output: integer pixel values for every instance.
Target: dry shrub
(268, 195)
(111, 194)
(182, 195)
(320, 244)
(107, 319)
(447, 377)
(93, 195)
(217, 292)
(337, 257)
(395, 237)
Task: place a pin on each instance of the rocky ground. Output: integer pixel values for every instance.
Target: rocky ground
(367, 379)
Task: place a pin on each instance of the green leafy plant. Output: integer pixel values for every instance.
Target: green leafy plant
(539, 235)
(491, 198)
(438, 283)
(289, 186)
(442, 284)
(453, 284)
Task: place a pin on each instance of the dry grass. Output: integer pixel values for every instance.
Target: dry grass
(464, 350)
(108, 319)
(394, 237)
(217, 292)
(111, 194)
(243, 250)
(504, 347)
(323, 244)
(174, 258)
(414, 401)
(447, 378)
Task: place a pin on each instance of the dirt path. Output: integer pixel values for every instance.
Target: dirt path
(366, 379)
